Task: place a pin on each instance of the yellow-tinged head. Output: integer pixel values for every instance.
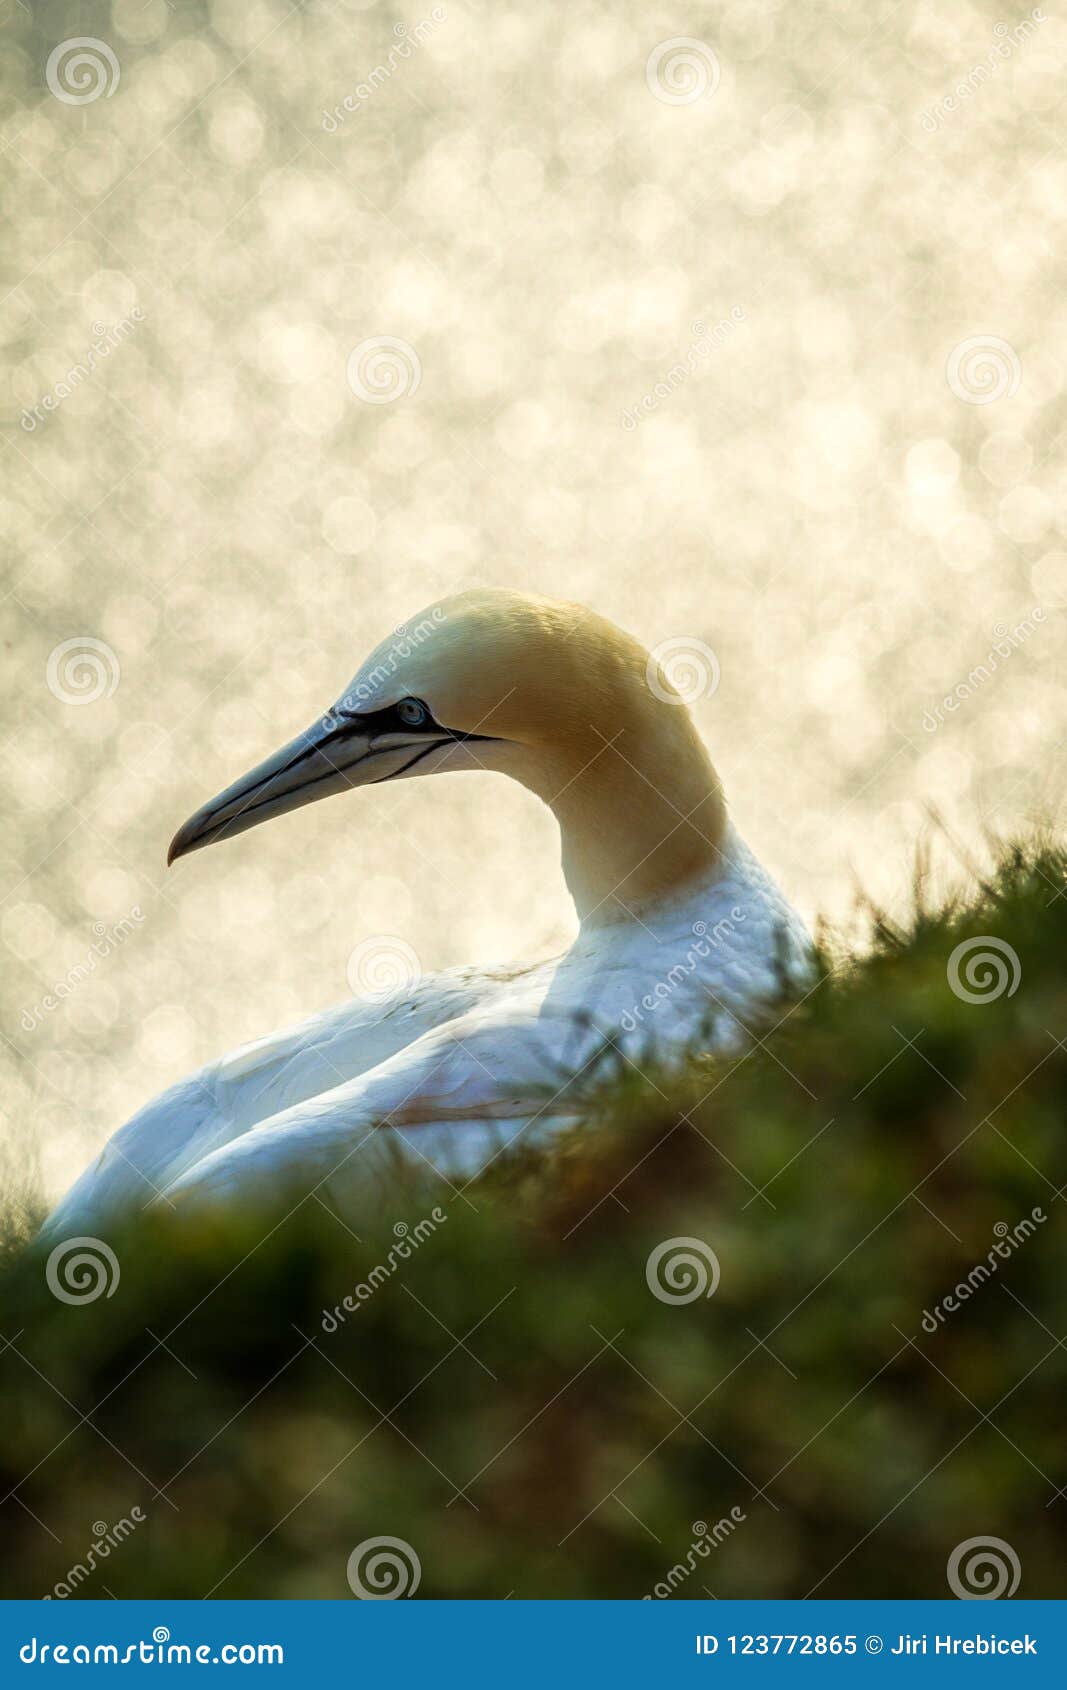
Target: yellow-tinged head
(542, 690)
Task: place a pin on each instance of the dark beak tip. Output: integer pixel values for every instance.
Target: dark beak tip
(289, 778)
(187, 838)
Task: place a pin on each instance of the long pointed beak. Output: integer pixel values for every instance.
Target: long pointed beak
(331, 756)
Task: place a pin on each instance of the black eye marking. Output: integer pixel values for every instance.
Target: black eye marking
(409, 713)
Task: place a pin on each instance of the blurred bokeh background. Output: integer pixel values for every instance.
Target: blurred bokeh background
(757, 341)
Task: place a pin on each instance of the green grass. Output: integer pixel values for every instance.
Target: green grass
(520, 1354)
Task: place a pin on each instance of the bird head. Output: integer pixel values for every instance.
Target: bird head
(542, 690)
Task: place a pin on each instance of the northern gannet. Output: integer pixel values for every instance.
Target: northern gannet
(683, 936)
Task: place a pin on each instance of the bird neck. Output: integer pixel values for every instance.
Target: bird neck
(641, 819)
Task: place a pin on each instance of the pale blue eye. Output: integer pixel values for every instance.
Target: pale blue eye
(412, 712)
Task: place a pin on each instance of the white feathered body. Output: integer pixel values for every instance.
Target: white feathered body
(442, 1078)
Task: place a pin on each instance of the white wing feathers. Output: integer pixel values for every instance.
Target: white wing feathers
(452, 1097)
(440, 1079)
(212, 1108)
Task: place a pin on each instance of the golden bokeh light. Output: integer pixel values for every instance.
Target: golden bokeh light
(756, 339)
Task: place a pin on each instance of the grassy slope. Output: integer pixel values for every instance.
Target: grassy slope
(858, 1458)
